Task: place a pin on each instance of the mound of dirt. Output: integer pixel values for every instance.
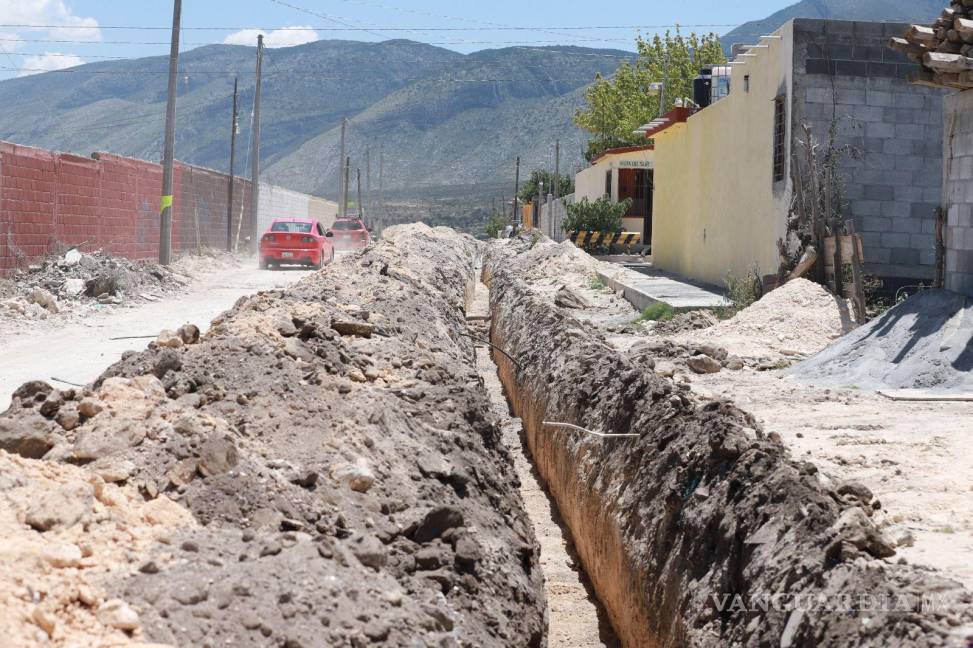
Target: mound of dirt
(335, 445)
(799, 318)
(683, 322)
(688, 523)
(925, 343)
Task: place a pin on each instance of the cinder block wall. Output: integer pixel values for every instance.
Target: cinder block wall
(892, 132)
(50, 200)
(958, 191)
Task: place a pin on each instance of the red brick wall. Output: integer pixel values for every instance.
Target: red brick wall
(50, 200)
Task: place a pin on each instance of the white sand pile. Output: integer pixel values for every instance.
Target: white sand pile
(62, 530)
(800, 318)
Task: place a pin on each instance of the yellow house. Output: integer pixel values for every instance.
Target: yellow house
(622, 173)
(722, 189)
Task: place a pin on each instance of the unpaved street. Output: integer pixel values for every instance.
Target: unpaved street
(79, 351)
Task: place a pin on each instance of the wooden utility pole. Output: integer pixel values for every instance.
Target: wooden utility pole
(342, 179)
(513, 220)
(368, 174)
(229, 190)
(361, 208)
(168, 154)
(255, 149)
(344, 205)
(557, 170)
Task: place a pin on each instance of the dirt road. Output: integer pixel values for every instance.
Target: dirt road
(79, 351)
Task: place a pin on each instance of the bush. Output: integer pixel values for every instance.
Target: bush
(495, 225)
(657, 312)
(741, 292)
(602, 215)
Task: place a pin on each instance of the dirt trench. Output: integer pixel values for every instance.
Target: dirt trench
(575, 618)
(335, 451)
(689, 531)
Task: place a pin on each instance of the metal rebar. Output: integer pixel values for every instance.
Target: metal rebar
(591, 432)
(66, 382)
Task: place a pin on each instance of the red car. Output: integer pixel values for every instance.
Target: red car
(295, 241)
(349, 234)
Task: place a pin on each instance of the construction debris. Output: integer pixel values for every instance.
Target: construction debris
(943, 49)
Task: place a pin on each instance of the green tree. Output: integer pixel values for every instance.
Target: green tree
(496, 224)
(528, 192)
(617, 106)
(602, 215)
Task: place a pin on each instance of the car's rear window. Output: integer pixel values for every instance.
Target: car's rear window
(297, 228)
(346, 225)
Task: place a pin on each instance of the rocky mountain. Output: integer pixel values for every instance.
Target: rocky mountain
(440, 117)
(880, 10)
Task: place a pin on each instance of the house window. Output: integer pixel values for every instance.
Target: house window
(608, 183)
(780, 129)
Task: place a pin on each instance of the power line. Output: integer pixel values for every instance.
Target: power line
(387, 29)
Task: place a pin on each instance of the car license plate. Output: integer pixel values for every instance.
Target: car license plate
(287, 255)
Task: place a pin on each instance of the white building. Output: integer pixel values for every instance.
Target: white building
(622, 173)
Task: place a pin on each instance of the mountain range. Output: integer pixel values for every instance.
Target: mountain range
(431, 118)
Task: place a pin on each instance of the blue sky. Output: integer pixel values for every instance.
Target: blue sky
(85, 34)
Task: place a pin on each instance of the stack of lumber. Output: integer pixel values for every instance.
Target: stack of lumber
(945, 49)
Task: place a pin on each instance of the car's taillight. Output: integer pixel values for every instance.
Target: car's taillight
(307, 239)
(269, 238)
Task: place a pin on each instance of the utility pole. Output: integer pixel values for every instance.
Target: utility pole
(368, 174)
(361, 208)
(168, 154)
(342, 179)
(516, 191)
(344, 205)
(255, 153)
(540, 203)
(229, 191)
(557, 169)
(381, 176)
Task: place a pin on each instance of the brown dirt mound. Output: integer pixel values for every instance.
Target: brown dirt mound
(690, 530)
(335, 444)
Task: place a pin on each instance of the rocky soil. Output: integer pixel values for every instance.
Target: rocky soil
(335, 453)
(75, 284)
(687, 530)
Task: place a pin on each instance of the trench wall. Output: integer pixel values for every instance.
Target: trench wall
(703, 507)
(50, 201)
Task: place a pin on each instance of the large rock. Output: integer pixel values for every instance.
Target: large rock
(358, 476)
(703, 364)
(29, 436)
(217, 456)
(61, 508)
(44, 299)
(437, 522)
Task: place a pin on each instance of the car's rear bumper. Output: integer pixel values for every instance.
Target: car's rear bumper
(349, 244)
(291, 255)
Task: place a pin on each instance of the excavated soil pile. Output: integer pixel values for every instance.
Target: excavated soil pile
(799, 318)
(925, 342)
(690, 529)
(335, 445)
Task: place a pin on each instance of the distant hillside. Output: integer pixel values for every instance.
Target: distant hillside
(875, 10)
(442, 118)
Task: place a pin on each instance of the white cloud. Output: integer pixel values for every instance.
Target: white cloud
(66, 25)
(47, 62)
(297, 35)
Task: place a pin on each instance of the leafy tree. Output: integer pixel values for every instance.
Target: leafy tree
(528, 192)
(602, 215)
(496, 224)
(618, 105)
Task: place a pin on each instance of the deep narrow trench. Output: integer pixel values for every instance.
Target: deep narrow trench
(575, 617)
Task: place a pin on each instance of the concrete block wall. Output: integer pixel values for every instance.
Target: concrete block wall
(958, 191)
(891, 131)
(50, 201)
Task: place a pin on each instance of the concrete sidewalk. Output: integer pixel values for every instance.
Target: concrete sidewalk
(643, 285)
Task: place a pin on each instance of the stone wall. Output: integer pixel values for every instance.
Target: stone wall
(893, 133)
(958, 191)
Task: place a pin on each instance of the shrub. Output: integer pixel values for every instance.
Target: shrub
(741, 292)
(602, 215)
(657, 312)
(495, 225)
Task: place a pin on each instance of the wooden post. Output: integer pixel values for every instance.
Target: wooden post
(858, 289)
